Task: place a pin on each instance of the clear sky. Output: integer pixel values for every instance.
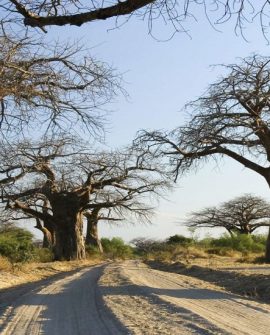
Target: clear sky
(160, 78)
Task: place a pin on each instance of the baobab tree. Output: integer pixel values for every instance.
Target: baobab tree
(230, 120)
(71, 180)
(242, 215)
(42, 14)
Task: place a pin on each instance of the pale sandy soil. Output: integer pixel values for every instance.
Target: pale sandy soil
(250, 280)
(71, 305)
(152, 302)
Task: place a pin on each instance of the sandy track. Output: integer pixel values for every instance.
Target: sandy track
(152, 302)
(138, 300)
(69, 306)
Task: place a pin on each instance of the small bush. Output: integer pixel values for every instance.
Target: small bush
(16, 244)
(116, 248)
(43, 255)
(179, 239)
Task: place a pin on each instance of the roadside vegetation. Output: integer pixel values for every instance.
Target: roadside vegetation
(178, 248)
(24, 260)
(18, 247)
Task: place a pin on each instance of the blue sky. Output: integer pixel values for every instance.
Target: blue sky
(160, 78)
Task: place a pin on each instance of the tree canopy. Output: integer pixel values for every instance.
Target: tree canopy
(57, 181)
(56, 85)
(242, 215)
(231, 119)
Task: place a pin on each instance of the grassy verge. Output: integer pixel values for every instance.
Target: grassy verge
(39, 265)
(30, 272)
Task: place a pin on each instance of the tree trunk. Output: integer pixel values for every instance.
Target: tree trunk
(245, 229)
(230, 232)
(47, 239)
(49, 226)
(92, 238)
(69, 242)
(48, 234)
(267, 252)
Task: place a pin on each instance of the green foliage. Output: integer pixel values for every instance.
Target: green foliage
(43, 255)
(93, 252)
(179, 239)
(116, 248)
(241, 242)
(16, 244)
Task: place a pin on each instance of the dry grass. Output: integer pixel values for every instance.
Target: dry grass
(31, 272)
(5, 265)
(189, 255)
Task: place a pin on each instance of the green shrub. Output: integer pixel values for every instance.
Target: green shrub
(240, 242)
(179, 239)
(43, 255)
(16, 244)
(116, 248)
(93, 252)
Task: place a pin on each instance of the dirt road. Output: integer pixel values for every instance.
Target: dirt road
(69, 306)
(129, 298)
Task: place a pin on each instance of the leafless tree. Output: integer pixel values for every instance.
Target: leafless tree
(72, 181)
(57, 85)
(176, 13)
(241, 215)
(230, 120)
(118, 205)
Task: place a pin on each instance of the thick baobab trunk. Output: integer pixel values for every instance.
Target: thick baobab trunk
(267, 251)
(92, 237)
(69, 240)
(69, 244)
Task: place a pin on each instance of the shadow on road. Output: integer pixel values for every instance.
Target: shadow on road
(68, 303)
(255, 286)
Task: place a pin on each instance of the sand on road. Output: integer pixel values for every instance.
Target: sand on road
(69, 306)
(153, 302)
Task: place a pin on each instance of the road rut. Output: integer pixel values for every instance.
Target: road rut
(69, 306)
(152, 302)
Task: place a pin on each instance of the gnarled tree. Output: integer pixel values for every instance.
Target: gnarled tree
(231, 120)
(73, 181)
(242, 215)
